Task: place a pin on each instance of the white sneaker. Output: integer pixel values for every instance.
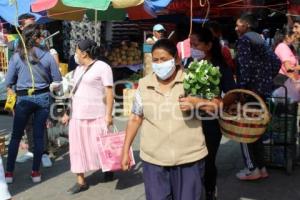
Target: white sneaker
(264, 173)
(36, 176)
(46, 161)
(247, 175)
(25, 157)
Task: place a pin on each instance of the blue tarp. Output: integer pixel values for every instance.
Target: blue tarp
(8, 11)
(156, 5)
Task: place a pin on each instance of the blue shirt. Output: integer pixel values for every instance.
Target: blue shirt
(19, 74)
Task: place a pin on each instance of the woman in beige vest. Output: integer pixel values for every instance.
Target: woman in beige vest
(172, 144)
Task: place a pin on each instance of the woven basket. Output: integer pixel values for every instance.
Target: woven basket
(243, 129)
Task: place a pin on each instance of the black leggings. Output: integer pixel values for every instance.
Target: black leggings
(213, 135)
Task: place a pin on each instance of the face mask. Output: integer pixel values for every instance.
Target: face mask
(164, 70)
(76, 59)
(197, 54)
(43, 44)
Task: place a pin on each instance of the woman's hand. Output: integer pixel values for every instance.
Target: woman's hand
(109, 120)
(65, 119)
(10, 92)
(188, 103)
(125, 161)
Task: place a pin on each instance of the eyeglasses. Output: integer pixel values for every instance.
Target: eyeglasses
(161, 31)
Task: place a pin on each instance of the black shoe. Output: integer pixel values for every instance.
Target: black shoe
(78, 188)
(108, 176)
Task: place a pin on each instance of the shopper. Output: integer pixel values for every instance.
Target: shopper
(91, 111)
(216, 29)
(267, 37)
(296, 26)
(172, 147)
(257, 65)
(158, 33)
(203, 40)
(25, 20)
(283, 41)
(32, 89)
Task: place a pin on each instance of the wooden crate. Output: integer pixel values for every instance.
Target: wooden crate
(128, 95)
(3, 58)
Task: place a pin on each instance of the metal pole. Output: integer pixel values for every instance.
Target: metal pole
(96, 22)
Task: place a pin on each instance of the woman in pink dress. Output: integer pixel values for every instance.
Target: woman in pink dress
(91, 111)
(283, 42)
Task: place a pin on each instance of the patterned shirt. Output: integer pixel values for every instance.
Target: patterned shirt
(257, 65)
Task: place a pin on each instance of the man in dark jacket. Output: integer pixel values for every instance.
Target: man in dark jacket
(257, 66)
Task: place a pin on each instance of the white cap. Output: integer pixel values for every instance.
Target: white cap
(158, 27)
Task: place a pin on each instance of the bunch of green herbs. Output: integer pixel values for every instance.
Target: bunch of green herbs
(202, 79)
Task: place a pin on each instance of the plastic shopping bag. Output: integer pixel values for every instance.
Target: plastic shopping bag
(110, 147)
(293, 90)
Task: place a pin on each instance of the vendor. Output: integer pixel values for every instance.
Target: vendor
(158, 33)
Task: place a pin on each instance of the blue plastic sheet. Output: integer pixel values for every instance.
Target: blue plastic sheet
(156, 5)
(8, 11)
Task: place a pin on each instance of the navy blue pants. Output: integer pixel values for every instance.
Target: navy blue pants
(38, 106)
(183, 182)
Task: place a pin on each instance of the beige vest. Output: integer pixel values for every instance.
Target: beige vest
(167, 139)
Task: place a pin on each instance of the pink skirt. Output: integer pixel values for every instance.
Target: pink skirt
(84, 154)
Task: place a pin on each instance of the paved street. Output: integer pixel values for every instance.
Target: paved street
(129, 185)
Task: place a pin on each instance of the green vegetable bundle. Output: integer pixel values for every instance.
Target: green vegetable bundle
(202, 79)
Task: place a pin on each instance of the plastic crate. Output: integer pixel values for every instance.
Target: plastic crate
(278, 133)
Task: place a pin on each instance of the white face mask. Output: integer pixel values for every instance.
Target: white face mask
(197, 54)
(164, 70)
(76, 59)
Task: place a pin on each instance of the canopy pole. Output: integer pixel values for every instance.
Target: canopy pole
(96, 22)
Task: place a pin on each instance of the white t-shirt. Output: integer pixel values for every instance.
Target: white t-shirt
(4, 193)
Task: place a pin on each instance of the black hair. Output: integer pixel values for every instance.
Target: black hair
(296, 19)
(166, 45)
(250, 19)
(30, 34)
(90, 47)
(24, 17)
(280, 35)
(205, 35)
(215, 26)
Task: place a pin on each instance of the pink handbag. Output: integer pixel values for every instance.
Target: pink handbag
(110, 147)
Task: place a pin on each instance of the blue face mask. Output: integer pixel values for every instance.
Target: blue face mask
(164, 70)
(43, 44)
(197, 54)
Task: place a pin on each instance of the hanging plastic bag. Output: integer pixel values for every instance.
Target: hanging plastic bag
(110, 147)
(10, 102)
(293, 91)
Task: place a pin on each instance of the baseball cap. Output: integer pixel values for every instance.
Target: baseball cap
(158, 27)
(266, 30)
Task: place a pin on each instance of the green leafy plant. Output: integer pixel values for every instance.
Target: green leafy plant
(135, 77)
(202, 79)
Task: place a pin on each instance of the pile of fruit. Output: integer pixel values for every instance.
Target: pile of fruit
(126, 54)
